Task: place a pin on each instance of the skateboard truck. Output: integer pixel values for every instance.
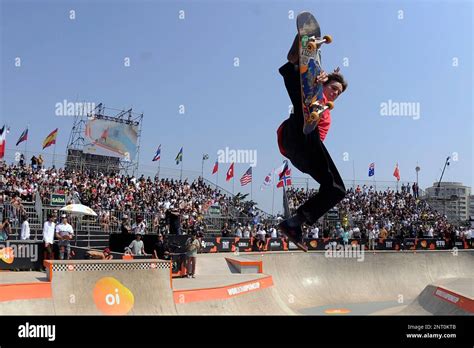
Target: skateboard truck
(319, 109)
(314, 42)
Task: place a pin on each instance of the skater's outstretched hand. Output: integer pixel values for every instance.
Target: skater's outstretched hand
(322, 77)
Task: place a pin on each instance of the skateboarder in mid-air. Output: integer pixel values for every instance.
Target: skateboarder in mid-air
(307, 151)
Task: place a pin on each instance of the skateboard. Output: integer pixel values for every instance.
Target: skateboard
(310, 41)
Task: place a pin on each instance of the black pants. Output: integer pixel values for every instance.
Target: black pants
(308, 153)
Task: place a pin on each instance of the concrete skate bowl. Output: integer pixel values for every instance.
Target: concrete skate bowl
(382, 283)
(279, 283)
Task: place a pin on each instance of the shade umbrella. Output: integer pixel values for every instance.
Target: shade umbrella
(79, 209)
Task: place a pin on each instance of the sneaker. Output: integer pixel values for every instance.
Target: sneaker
(294, 234)
(192, 276)
(188, 276)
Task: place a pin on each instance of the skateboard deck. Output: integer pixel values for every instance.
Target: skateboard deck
(310, 41)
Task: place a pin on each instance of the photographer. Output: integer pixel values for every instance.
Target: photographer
(192, 247)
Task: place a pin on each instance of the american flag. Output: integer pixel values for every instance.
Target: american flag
(246, 178)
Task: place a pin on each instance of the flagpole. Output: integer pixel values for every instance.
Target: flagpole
(273, 193)
(26, 142)
(54, 153)
(159, 167)
(353, 175)
(251, 189)
(181, 173)
(233, 184)
(217, 177)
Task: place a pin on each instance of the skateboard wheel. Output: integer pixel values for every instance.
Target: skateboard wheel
(330, 105)
(314, 116)
(311, 46)
(328, 39)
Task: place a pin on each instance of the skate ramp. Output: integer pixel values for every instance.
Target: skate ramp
(85, 287)
(289, 283)
(448, 297)
(311, 280)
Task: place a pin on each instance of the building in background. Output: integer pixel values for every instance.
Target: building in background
(451, 199)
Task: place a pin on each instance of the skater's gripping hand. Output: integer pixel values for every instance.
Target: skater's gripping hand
(322, 77)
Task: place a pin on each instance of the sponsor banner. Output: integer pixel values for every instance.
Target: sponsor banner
(276, 244)
(423, 243)
(21, 255)
(321, 243)
(58, 199)
(387, 244)
(225, 244)
(316, 244)
(243, 244)
(209, 245)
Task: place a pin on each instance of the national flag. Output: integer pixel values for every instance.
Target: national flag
(282, 170)
(267, 181)
(50, 139)
(396, 173)
(247, 177)
(372, 169)
(216, 168)
(179, 156)
(230, 172)
(23, 137)
(285, 179)
(2, 142)
(157, 154)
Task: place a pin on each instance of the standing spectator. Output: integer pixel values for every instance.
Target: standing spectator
(247, 232)
(161, 249)
(356, 232)
(49, 229)
(372, 237)
(22, 160)
(315, 232)
(34, 162)
(40, 161)
(173, 220)
(238, 231)
(383, 233)
(192, 248)
(345, 237)
(137, 247)
(139, 227)
(64, 234)
(25, 228)
(5, 229)
(125, 226)
(225, 232)
(273, 232)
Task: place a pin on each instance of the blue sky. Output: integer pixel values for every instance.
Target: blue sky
(190, 62)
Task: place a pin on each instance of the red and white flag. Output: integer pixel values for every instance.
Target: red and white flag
(230, 172)
(396, 173)
(216, 168)
(2, 142)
